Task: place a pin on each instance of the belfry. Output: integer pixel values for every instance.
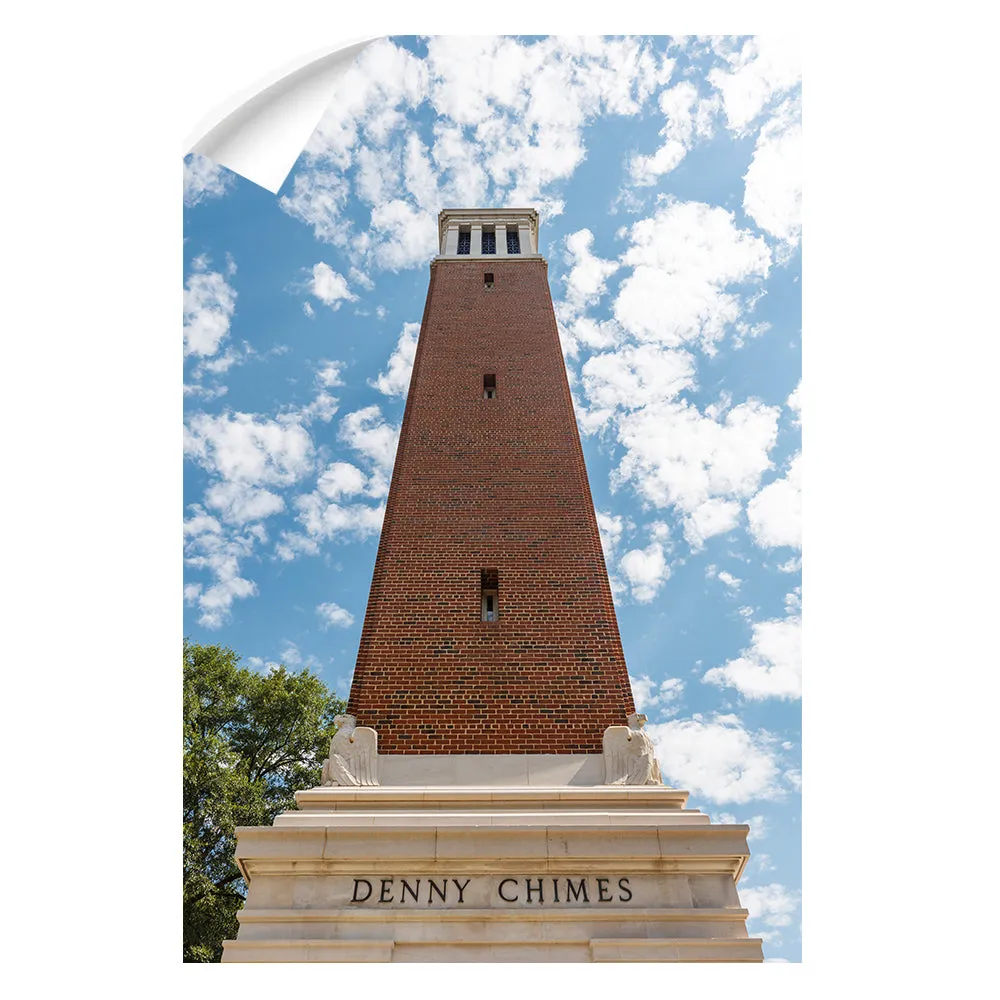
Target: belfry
(492, 796)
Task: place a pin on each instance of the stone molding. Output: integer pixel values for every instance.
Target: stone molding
(679, 900)
(676, 915)
(479, 258)
(592, 950)
(571, 771)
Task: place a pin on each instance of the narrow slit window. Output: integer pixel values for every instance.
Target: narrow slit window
(464, 239)
(513, 241)
(490, 595)
(489, 386)
(489, 241)
(488, 279)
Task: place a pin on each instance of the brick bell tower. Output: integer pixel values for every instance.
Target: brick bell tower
(490, 625)
(491, 795)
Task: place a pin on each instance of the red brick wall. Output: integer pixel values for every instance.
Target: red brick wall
(481, 484)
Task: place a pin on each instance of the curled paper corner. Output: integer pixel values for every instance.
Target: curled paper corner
(260, 132)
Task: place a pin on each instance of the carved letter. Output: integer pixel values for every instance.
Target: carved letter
(623, 885)
(531, 889)
(461, 888)
(386, 888)
(577, 891)
(555, 888)
(506, 899)
(602, 888)
(407, 889)
(443, 893)
(357, 882)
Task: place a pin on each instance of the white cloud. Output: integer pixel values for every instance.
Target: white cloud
(243, 447)
(324, 520)
(330, 373)
(220, 364)
(208, 547)
(711, 517)
(323, 513)
(771, 667)
(204, 391)
(366, 431)
(204, 179)
(688, 118)
(612, 528)
(718, 759)
(663, 696)
(341, 479)
(792, 565)
(510, 119)
(793, 602)
(729, 580)
(646, 571)
(334, 615)
(383, 79)
(685, 258)
(775, 513)
(329, 286)
(773, 182)
(774, 905)
(323, 407)
(209, 303)
(677, 456)
(318, 198)
(586, 281)
(633, 377)
(308, 310)
(404, 236)
(764, 68)
(396, 379)
(794, 401)
(240, 502)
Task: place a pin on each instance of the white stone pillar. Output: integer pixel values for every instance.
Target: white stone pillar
(477, 240)
(501, 237)
(451, 239)
(524, 232)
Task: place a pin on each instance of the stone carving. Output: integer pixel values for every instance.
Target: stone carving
(629, 755)
(353, 756)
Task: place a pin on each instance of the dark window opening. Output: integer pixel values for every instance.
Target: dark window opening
(490, 595)
(513, 241)
(489, 241)
(464, 240)
(489, 386)
(488, 279)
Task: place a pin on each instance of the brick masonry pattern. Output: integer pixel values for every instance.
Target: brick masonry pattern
(490, 484)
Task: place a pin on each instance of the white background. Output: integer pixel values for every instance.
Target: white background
(900, 451)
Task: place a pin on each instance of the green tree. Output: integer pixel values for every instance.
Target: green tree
(251, 741)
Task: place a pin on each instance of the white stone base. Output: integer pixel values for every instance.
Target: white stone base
(493, 872)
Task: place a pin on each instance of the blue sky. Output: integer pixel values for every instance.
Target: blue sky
(667, 175)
